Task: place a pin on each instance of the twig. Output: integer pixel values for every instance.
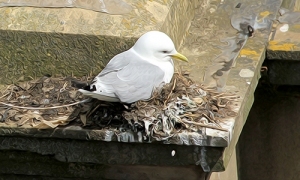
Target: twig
(4, 95)
(93, 110)
(217, 95)
(173, 87)
(44, 108)
(207, 117)
(204, 125)
(4, 116)
(221, 105)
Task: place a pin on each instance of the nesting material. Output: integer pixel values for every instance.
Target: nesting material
(43, 103)
(181, 105)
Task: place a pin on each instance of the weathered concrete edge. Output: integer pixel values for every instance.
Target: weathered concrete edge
(283, 55)
(76, 132)
(284, 50)
(71, 150)
(244, 110)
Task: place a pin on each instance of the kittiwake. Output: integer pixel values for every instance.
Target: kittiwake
(134, 74)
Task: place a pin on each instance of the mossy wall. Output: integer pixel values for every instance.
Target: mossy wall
(27, 55)
(71, 41)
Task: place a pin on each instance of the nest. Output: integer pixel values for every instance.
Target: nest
(43, 103)
(180, 105)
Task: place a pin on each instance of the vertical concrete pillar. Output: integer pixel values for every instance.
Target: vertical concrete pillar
(230, 173)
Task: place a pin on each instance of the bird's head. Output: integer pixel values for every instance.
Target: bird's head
(157, 45)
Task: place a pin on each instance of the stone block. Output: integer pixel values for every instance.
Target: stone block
(73, 41)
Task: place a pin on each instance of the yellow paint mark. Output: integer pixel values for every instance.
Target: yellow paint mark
(140, 5)
(126, 23)
(7, 11)
(296, 26)
(274, 46)
(262, 15)
(265, 13)
(248, 52)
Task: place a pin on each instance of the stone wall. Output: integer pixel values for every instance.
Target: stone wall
(73, 41)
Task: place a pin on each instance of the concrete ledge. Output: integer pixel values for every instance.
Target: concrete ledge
(284, 41)
(283, 51)
(284, 45)
(74, 159)
(204, 43)
(39, 41)
(202, 46)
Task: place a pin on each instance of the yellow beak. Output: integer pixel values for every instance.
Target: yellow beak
(180, 57)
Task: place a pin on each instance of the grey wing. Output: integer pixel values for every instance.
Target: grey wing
(116, 63)
(134, 81)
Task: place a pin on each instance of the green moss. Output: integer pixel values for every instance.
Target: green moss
(26, 55)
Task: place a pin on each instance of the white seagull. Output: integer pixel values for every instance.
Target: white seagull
(134, 74)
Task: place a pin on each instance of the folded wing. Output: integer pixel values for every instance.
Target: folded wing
(126, 78)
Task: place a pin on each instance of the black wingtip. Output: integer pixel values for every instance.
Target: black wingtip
(89, 88)
(79, 84)
(93, 88)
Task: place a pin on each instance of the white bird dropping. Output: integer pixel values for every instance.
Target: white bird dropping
(173, 153)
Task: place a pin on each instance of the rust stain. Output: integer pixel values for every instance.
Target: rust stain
(248, 52)
(273, 45)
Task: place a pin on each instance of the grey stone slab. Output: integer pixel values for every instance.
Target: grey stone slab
(284, 40)
(211, 35)
(210, 44)
(65, 41)
(106, 152)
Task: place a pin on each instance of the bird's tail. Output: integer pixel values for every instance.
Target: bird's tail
(96, 95)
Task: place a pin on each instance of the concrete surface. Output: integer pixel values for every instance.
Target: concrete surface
(65, 41)
(212, 45)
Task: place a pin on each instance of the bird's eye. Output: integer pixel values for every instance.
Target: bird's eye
(165, 52)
